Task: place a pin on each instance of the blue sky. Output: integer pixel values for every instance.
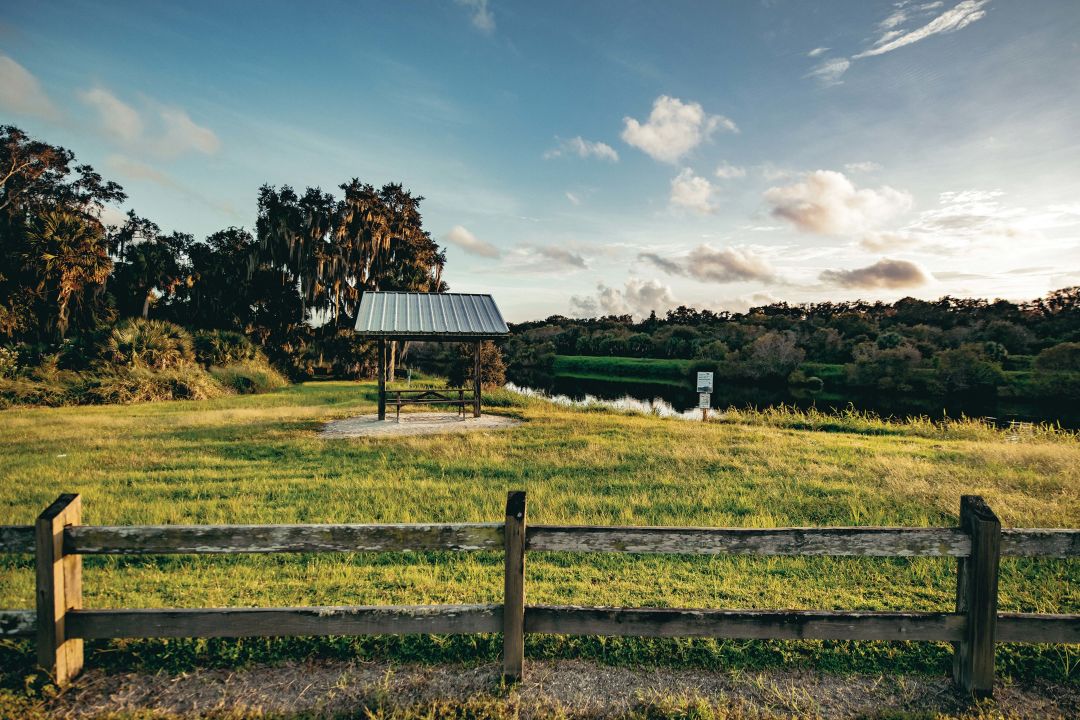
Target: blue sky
(587, 158)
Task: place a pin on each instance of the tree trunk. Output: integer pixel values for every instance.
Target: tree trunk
(392, 365)
(146, 304)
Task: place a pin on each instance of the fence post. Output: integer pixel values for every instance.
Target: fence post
(514, 588)
(59, 589)
(977, 597)
(381, 351)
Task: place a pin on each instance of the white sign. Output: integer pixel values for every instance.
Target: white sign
(704, 400)
(704, 382)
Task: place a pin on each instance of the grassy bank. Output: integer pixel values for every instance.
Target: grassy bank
(258, 459)
(623, 369)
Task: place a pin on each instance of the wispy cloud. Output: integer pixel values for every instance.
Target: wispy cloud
(174, 132)
(949, 21)
(460, 237)
(544, 259)
(673, 129)
(582, 148)
(892, 34)
(482, 18)
(727, 171)
(21, 93)
(828, 72)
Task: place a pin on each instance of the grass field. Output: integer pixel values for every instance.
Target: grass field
(258, 459)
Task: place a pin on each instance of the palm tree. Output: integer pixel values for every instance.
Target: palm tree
(71, 255)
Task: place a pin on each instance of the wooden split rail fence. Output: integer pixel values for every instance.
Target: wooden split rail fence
(60, 623)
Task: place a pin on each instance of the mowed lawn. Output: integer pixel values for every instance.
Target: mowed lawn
(259, 459)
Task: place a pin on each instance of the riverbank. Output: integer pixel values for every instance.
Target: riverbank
(1022, 397)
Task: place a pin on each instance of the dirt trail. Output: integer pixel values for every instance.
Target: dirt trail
(573, 688)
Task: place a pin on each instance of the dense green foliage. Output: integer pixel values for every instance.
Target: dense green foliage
(933, 349)
(72, 288)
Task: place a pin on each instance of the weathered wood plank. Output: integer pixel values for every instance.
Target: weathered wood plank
(977, 597)
(745, 624)
(278, 622)
(16, 538)
(1035, 628)
(1040, 542)
(514, 588)
(58, 589)
(868, 541)
(18, 623)
(172, 539)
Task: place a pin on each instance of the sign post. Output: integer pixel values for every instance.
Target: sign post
(704, 388)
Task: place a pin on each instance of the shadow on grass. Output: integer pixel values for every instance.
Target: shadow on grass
(1015, 662)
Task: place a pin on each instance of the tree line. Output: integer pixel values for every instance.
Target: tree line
(291, 285)
(950, 345)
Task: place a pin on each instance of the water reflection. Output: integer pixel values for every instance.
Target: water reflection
(674, 400)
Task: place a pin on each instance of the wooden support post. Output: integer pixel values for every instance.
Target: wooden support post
(514, 588)
(59, 589)
(976, 597)
(476, 379)
(382, 379)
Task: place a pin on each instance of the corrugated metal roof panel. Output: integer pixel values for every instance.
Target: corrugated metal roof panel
(401, 313)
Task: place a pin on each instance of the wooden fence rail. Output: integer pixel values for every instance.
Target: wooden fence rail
(61, 624)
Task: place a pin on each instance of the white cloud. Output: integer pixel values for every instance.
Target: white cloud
(471, 244)
(884, 274)
(482, 17)
(174, 132)
(582, 148)
(117, 118)
(673, 129)
(544, 259)
(828, 72)
(949, 21)
(729, 264)
(574, 199)
(636, 297)
(885, 241)
(182, 134)
(718, 265)
(825, 202)
(692, 192)
(865, 166)
(727, 171)
(20, 91)
(893, 36)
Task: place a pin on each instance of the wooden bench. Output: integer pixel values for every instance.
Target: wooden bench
(430, 396)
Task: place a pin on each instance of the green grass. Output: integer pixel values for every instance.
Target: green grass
(258, 459)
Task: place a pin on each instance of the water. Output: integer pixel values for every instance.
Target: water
(671, 400)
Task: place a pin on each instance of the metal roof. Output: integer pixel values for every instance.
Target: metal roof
(397, 314)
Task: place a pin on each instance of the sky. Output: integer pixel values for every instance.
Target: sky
(607, 157)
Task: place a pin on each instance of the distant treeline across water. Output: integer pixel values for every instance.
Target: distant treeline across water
(951, 356)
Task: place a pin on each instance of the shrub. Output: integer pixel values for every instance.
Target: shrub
(255, 376)
(223, 347)
(1061, 357)
(139, 384)
(154, 344)
(9, 362)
